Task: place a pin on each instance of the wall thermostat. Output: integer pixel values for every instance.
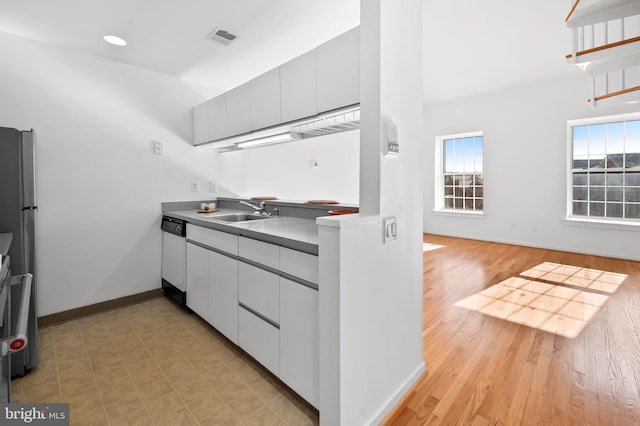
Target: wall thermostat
(390, 146)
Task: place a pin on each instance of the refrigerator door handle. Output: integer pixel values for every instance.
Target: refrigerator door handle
(19, 340)
(28, 152)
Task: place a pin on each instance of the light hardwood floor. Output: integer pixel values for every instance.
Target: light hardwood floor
(484, 370)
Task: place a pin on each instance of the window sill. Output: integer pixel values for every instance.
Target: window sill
(460, 213)
(603, 224)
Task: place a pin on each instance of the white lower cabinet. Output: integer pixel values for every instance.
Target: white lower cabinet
(198, 280)
(212, 278)
(299, 344)
(223, 294)
(254, 304)
(260, 339)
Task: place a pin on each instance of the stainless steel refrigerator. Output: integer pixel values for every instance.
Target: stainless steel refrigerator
(18, 216)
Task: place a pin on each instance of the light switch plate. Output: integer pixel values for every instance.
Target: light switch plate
(195, 186)
(390, 144)
(390, 229)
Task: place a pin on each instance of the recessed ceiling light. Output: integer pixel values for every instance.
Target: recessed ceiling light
(115, 40)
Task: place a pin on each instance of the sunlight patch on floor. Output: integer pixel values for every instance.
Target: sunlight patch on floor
(548, 307)
(593, 279)
(429, 247)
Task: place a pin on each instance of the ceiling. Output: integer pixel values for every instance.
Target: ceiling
(470, 47)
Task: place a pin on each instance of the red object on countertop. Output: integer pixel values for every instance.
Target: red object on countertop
(343, 211)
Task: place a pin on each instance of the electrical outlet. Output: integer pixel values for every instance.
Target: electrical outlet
(195, 186)
(213, 186)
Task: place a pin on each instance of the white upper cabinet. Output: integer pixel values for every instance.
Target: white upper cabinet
(318, 81)
(217, 117)
(239, 110)
(265, 100)
(339, 71)
(200, 124)
(298, 92)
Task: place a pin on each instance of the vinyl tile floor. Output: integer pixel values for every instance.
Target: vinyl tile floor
(155, 364)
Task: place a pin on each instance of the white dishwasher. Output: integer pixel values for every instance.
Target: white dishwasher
(174, 249)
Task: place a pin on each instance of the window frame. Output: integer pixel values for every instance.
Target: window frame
(593, 221)
(439, 207)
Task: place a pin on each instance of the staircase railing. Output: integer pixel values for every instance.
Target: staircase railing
(607, 46)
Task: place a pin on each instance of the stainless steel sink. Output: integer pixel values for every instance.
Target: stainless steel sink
(238, 217)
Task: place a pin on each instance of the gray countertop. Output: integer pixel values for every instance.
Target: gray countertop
(292, 232)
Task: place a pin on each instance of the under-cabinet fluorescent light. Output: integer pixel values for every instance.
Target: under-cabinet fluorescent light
(115, 40)
(339, 120)
(268, 140)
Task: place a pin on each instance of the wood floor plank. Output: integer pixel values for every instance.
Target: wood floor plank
(577, 401)
(483, 370)
(496, 404)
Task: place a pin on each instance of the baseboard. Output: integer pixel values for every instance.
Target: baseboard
(395, 398)
(72, 314)
(553, 247)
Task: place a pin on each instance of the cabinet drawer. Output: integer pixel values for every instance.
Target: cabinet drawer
(259, 290)
(212, 238)
(299, 264)
(260, 339)
(259, 251)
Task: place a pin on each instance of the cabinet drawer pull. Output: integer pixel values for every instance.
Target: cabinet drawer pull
(259, 315)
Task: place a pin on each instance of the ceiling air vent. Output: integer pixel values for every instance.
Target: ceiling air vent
(223, 36)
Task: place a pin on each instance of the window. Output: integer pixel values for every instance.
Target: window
(460, 179)
(604, 179)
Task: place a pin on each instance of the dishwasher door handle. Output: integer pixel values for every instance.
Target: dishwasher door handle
(19, 340)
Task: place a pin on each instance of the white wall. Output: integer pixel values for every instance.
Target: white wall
(99, 185)
(285, 171)
(525, 164)
(370, 292)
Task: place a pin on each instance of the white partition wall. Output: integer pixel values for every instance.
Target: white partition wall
(371, 292)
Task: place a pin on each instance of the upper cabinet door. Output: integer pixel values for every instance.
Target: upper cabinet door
(339, 71)
(200, 124)
(265, 100)
(239, 110)
(217, 117)
(298, 87)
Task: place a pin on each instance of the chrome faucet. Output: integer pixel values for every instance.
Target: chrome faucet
(262, 210)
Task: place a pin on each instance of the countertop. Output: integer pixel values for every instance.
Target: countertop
(292, 232)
